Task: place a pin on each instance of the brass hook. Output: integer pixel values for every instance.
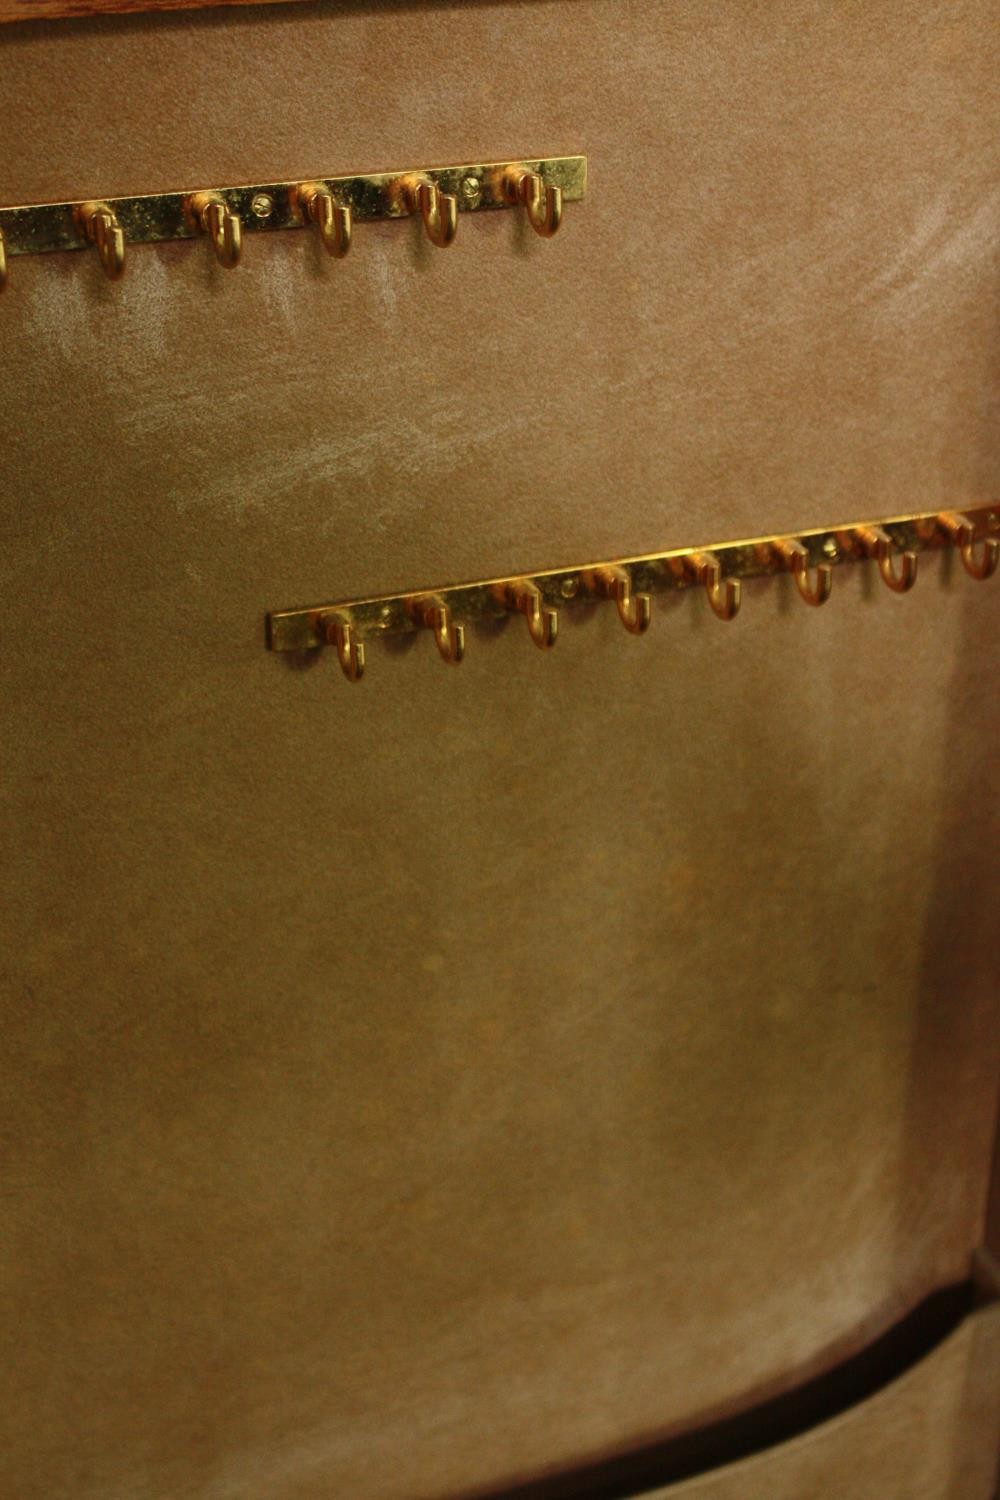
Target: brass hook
(315, 202)
(797, 557)
(336, 630)
(99, 223)
(438, 210)
(724, 594)
(449, 638)
(3, 262)
(877, 543)
(211, 214)
(526, 597)
(963, 533)
(543, 200)
(634, 610)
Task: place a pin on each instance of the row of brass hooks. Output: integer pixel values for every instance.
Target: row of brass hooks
(614, 582)
(724, 594)
(963, 533)
(209, 214)
(526, 598)
(438, 210)
(543, 201)
(873, 541)
(101, 227)
(318, 206)
(796, 557)
(864, 541)
(337, 632)
(449, 638)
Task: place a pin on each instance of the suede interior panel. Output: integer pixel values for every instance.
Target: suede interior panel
(993, 1212)
(416, 1085)
(931, 1435)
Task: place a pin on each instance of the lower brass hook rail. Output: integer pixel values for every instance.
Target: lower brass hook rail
(631, 582)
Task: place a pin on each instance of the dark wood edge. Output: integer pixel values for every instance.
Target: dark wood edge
(57, 10)
(629, 1476)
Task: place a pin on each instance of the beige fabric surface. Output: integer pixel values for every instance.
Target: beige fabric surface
(993, 1207)
(421, 1085)
(932, 1435)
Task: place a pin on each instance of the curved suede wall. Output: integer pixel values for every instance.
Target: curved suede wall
(418, 1085)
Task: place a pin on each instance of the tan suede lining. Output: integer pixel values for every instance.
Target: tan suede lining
(418, 1085)
(930, 1435)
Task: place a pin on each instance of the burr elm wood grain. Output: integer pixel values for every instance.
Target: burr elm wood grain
(53, 10)
(562, 1048)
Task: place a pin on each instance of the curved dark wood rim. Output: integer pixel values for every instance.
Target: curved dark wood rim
(629, 1476)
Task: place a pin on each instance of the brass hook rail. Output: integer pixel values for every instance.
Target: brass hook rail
(539, 186)
(630, 582)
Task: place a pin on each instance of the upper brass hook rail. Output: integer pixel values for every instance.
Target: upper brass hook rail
(631, 582)
(334, 204)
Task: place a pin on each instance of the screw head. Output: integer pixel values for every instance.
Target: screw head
(568, 587)
(830, 548)
(262, 205)
(993, 521)
(471, 188)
